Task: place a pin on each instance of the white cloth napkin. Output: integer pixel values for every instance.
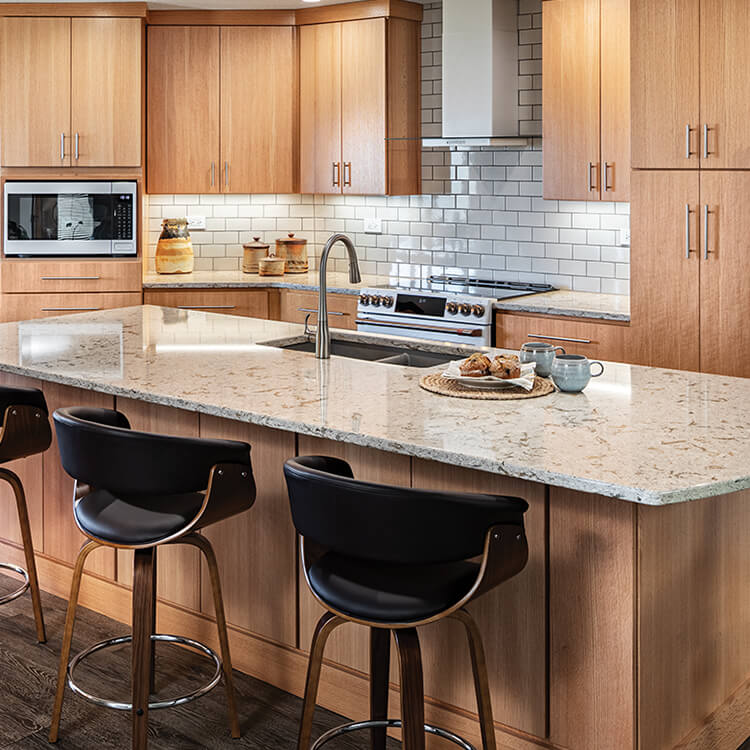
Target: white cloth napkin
(526, 381)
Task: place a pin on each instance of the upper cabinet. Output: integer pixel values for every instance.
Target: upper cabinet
(222, 109)
(359, 107)
(586, 99)
(70, 92)
(691, 93)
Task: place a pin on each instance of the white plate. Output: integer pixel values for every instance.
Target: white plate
(526, 381)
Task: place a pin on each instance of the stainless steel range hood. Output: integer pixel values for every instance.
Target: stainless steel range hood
(480, 74)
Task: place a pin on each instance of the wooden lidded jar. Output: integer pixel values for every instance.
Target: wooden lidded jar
(271, 266)
(252, 253)
(174, 250)
(294, 250)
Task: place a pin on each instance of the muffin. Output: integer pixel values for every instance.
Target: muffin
(476, 366)
(505, 368)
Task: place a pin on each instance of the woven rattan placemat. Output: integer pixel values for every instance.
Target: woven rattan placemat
(436, 383)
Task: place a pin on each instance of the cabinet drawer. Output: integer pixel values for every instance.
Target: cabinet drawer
(20, 276)
(251, 303)
(600, 340)
(29, 306)
(342, 308)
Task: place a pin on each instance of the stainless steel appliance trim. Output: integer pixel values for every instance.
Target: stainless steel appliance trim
(336, 174)
(558, 338)
(348, 182)
(468, 332)
(70, 278)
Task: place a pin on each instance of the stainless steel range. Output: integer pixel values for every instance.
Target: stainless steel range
(453, 309)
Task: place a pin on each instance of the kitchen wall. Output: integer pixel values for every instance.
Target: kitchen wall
(481, 210)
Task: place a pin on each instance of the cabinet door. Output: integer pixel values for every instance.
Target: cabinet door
(725, 269)
(725, 85)
(665, 83)
(615, 95)
(35, 86)
(258, 109)
(664, 285)
(320, 108)
(342, 308)
(183, 109)
(107, 85)
(32, 306)
(571, 70)
(249, 303)
(363, 107)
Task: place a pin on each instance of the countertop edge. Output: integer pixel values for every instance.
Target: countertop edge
(566, 312)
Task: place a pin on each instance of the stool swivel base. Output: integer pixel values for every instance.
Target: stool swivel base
(356, 726)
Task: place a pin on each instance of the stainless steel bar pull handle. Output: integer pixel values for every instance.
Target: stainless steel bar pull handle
(213, 173)
(706, 212)
(62, 146)
(688, 151)
(226, 174)
(607, 167)
(206, 307)
(706, 130)
(77, 150)
(557, 338)
(348, 182)
(337, 174)
(314, 311)
(70, 278)
(70, 309)
(687, 230)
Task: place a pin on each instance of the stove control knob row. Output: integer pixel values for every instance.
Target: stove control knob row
(374, 299)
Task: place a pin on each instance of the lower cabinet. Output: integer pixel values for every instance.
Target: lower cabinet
(29, 306)
(599, 340)
(250, 303)
(297, 305)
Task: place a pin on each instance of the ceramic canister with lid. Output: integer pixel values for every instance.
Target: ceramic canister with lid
(294, 250)
(253, 252)
(174, 250)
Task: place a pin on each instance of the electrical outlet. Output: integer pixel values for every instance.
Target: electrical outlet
(624, 238)
(373, 226)
(196, 222)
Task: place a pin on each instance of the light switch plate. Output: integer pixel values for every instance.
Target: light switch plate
(373, 226)
(196, 222)
(624, 239)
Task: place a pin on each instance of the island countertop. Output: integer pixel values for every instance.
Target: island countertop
(646, 435)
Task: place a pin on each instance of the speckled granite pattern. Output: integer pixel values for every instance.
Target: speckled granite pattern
(571, 304)
(641, 434)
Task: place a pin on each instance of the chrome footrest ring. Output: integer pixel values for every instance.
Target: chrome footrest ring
(356, 726)
(170, 703)
(19, 591)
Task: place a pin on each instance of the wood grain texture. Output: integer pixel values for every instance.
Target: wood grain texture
(725, 89)
(221, 18)
(107, 87)
(141, 654)
(183, 78)
(256, 550)
(320, 108)
(71, 275)
(362, 9)
(694, 615)
(35, 91)
(592, 568)
(363, 107)
(250, 303)
(724, 334)
(615, 99)
(571, 103)
(293, 303)
(120, 10)
(32, 306)
(178, 569)
(664, 285)
(258, 108)
(665, 38)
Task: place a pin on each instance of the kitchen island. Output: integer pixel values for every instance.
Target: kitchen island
(627, 629)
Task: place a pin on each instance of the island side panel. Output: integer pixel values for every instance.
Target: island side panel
(592, 580)
(178, 565)
(694, 624)
(256, 550)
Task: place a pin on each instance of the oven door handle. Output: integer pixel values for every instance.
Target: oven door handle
(469, 332)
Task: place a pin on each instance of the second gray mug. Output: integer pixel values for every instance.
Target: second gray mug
(542, 353)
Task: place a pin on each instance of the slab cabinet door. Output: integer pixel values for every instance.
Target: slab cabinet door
(664, 285)
(107, 85)
(320, 109)
(571, 101)
(665, 59)
(725, 85)
(183, 109)
(258, 109)
(35, 92)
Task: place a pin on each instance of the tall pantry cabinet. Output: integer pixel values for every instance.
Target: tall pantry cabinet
(690, 269)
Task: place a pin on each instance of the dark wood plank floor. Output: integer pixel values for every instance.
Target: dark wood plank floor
(28, 670)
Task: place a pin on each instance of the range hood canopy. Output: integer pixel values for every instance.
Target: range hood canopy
(480, 74)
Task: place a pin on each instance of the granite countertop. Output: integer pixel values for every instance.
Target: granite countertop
(563, 302)
(646, 435)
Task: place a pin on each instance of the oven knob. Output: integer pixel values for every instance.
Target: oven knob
(478, 310)
(452, 308)
(387, 301)
(366, 299)
(465, 309)
(377, 301)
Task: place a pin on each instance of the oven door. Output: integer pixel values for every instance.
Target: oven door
(432, 330)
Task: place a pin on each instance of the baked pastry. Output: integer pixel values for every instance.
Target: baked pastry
(476, 366)
(506, 368)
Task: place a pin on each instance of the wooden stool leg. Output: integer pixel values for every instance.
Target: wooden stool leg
(412, 689)
(28, 549)
(152, 668)
(481, 680)
(221, 624)
(380, 661)
(70, 619)
(326, 625)
(143, 604)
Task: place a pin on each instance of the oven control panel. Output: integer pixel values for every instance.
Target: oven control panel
(415, 303)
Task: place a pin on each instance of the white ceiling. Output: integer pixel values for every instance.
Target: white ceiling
(222, 4)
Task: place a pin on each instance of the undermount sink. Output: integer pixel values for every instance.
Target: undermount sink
(380, 353)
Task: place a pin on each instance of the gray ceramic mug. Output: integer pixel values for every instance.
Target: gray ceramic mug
(571, 372)
(542, 353)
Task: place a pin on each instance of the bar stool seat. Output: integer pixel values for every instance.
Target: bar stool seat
(21, 396)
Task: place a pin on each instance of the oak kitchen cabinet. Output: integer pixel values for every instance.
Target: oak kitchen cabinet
(242, 81)
(691, 92)
(586, 99)
(70, 92)
(297, 305)
(359, 107)
(249, 303)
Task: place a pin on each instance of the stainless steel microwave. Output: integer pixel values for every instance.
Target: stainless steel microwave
(70, 218)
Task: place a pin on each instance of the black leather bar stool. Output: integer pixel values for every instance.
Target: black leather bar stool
(393, 559)
(136, 490)
(25, 431)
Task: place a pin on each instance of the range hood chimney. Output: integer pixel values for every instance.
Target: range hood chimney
(480, 74)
